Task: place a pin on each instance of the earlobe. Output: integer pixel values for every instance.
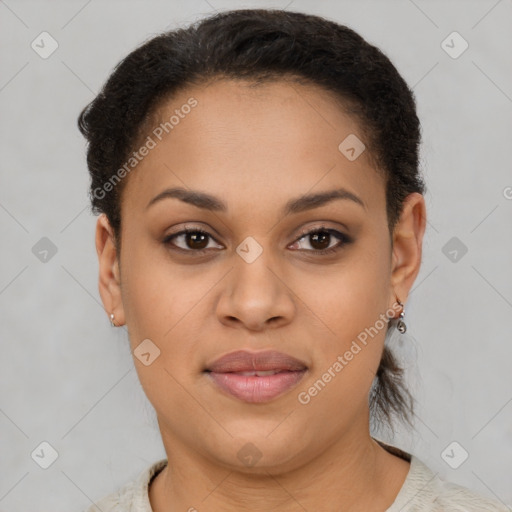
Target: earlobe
(109, 276)
(407, 245)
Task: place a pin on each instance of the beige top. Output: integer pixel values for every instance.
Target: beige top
(422, 491)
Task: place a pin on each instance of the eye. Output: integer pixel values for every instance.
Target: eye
(320, 240)
(193, 240)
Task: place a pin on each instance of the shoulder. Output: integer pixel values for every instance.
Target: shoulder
(132, 496)
(460, 498)
(426, 491)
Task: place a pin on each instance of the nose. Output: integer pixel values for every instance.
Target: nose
(256, 296)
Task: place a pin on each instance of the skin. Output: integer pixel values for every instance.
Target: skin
(255, 148)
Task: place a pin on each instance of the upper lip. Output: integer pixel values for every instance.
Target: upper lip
(244, 360)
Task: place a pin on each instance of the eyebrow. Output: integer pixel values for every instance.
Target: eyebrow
(300, 204)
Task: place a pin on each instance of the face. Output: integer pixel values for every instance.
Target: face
(264, 267)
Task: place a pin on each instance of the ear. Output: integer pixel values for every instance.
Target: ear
(109, 276)
(407, 246)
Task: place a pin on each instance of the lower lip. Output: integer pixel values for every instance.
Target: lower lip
(256, 389)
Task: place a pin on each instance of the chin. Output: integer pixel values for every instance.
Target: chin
(261, 451)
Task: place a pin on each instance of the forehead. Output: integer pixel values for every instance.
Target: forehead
(241, 142)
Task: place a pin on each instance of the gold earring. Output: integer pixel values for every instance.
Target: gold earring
(112, 323)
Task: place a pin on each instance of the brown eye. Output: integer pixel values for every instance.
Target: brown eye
(196, 240)
(191, 240)
(320, 240)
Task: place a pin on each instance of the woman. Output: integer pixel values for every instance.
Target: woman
(261, 227)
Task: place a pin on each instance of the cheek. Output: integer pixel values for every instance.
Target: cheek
(166, 303)
(164, 306)
(155, 293)
(351, 304)
(353, 295)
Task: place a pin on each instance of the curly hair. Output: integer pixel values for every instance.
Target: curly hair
(261, 45)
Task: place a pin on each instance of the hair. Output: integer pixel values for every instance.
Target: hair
(264, 45)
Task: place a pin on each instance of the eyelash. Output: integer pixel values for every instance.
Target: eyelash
(344, 240)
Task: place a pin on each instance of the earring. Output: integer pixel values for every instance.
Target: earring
(401, 324)
(112, 320)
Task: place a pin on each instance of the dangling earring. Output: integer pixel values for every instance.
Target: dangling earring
(401, 324)
(112, 320)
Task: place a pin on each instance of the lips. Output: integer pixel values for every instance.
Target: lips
(245, 361)
(256, 377)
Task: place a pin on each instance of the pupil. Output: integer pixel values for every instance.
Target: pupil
(197, 239)
(322, 236)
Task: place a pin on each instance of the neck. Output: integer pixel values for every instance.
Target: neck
(353, 474)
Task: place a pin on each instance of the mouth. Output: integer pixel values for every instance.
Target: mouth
(256, 377)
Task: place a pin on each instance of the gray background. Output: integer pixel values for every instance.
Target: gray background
(66, 377)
